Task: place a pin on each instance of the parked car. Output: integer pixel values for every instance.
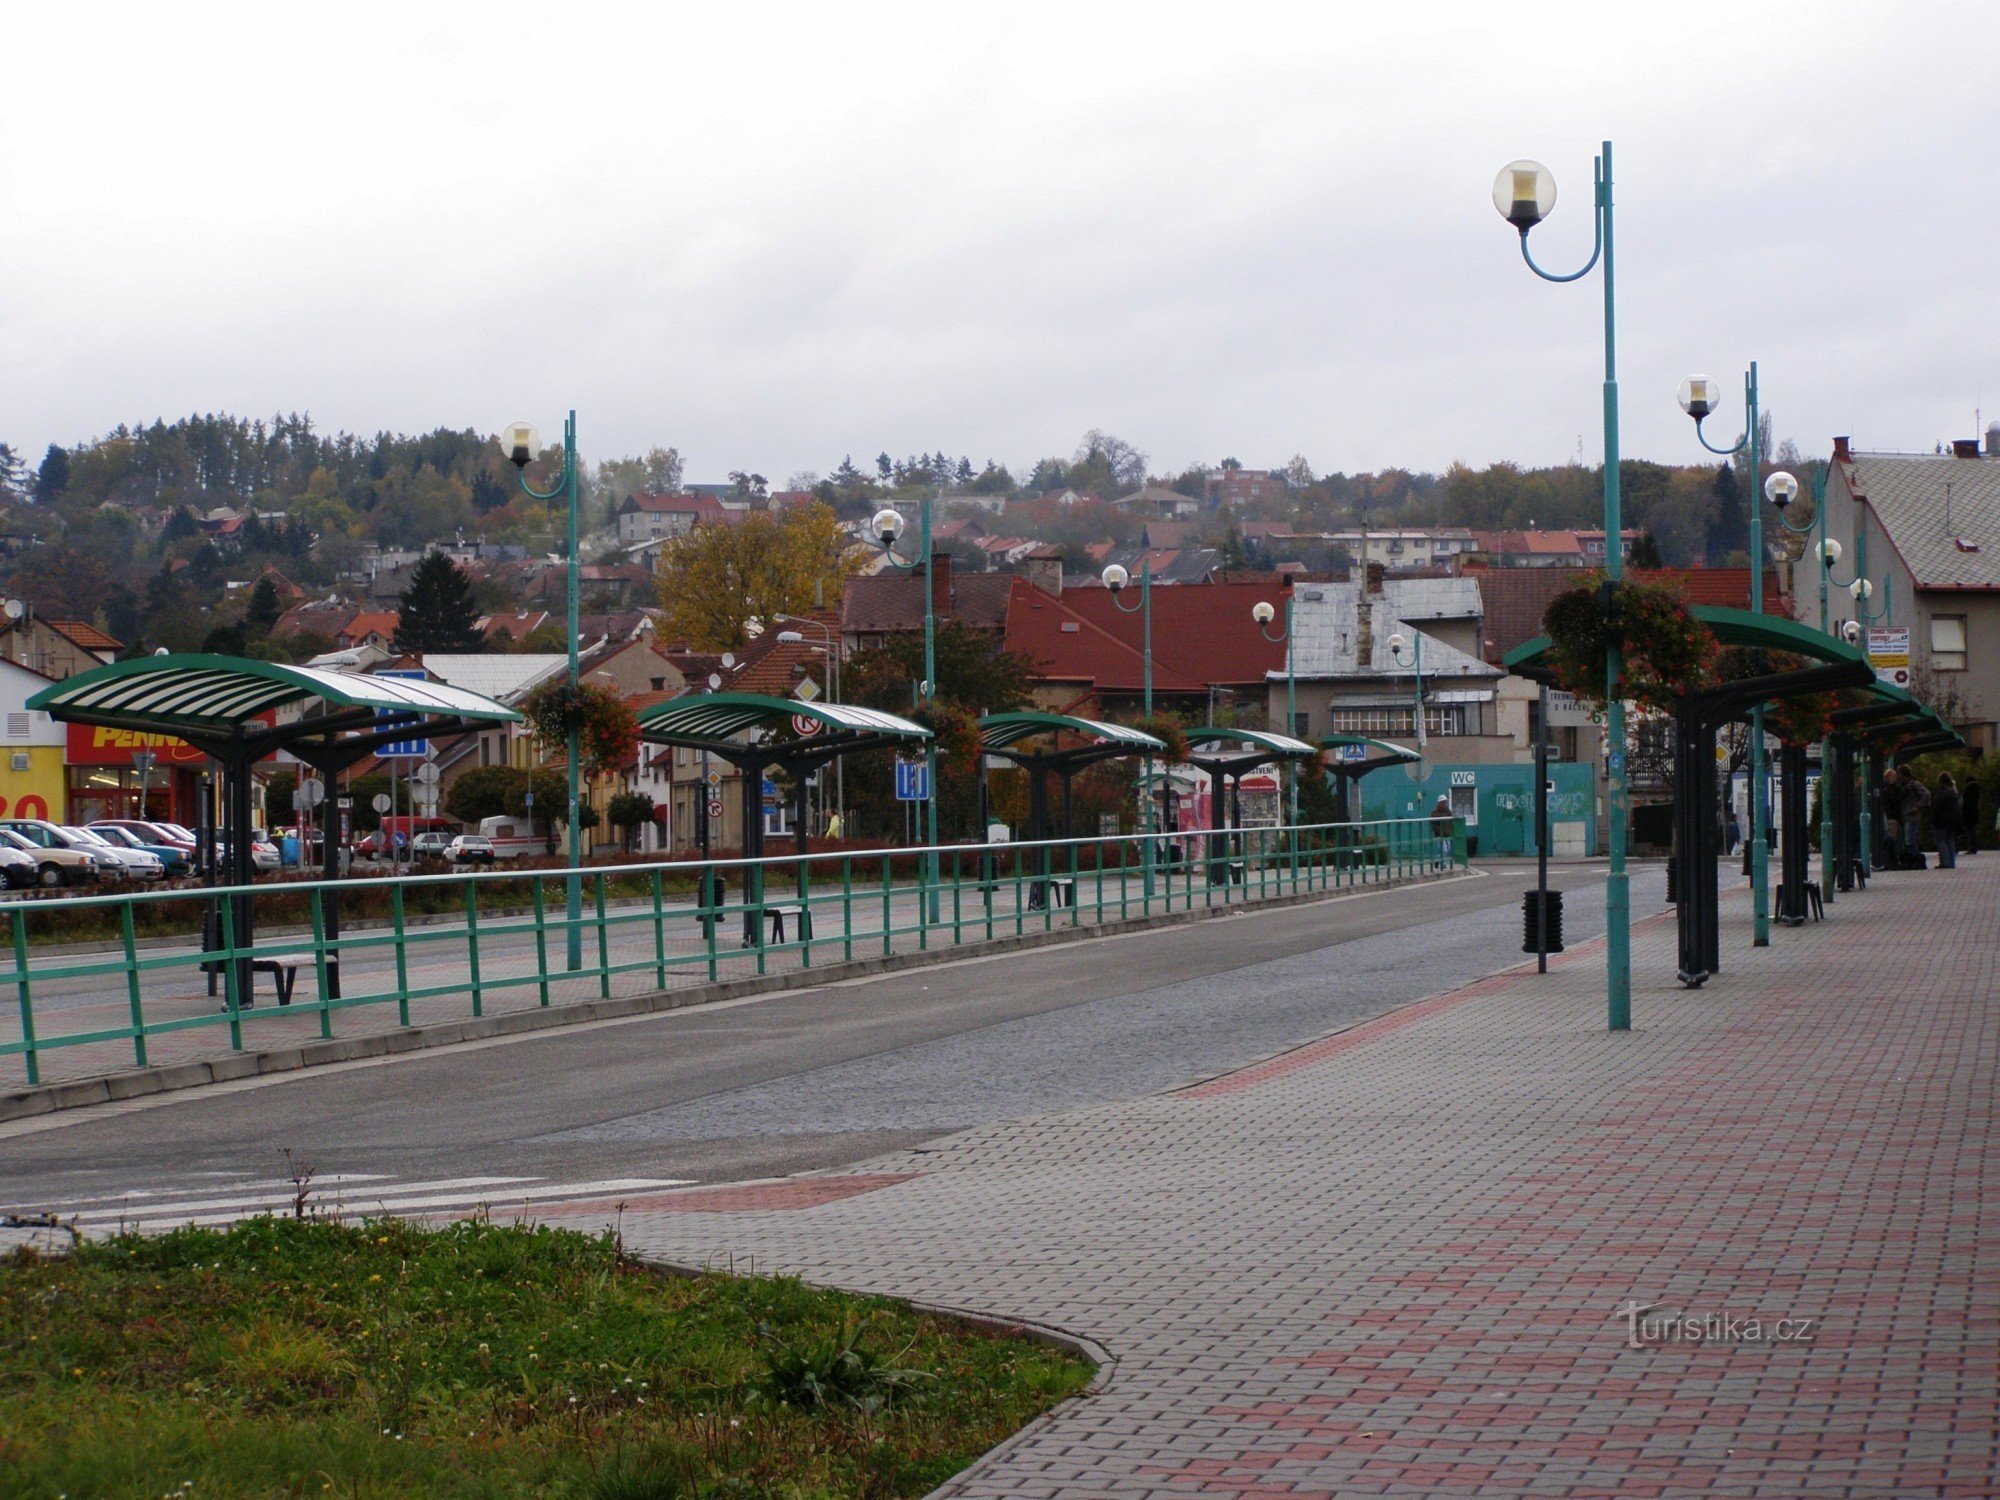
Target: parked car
(175, 859)
(133, 862)
(430, 845)
(153, 834)
(56, 863)
(470, 849)
(17, 866)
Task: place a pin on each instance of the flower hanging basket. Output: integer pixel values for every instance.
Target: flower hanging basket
(607, 730)
(1668, 652)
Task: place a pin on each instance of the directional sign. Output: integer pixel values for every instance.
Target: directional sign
(412, 748)
(913, 781)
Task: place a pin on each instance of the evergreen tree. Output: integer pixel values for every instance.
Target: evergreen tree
(52, 478)
(437, 612)
(1645, 552)
(265, 606)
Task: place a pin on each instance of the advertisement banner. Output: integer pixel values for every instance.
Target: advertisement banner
(94, 745)
(1889, 654)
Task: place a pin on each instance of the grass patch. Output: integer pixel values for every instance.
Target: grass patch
(289, 1357)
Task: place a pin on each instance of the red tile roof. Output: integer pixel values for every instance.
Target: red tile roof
(1203, 634)
(369, 622)
(86, 635)
(884, 602)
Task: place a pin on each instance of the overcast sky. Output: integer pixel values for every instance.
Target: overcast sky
(775, 234)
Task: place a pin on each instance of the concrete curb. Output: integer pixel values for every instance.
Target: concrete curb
(138, 1083)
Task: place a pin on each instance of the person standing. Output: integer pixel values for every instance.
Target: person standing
(1732, 834)
(1441, 827)
(1890, 798)
(1944, 821)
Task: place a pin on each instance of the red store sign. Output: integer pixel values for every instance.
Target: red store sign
(94, 745)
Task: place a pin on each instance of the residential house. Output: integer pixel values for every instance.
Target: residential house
(1241, 487)
(1402, 548)
(1924, 530)
(877, 606)
(1591, 544)
(33, 779)
(54, 648)
(647, 517)
(1163, 501)
(1209, 654)
(1529, 549)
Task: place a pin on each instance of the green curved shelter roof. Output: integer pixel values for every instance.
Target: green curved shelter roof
(1261, 743)
(714, 717)
(1000, 731)
(1732, 627)
(225, 697)
(1373, 752)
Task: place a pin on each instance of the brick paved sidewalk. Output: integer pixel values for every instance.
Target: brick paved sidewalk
(1393, 1262)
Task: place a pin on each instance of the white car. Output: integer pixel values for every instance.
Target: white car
(116, 859)
(470, 849)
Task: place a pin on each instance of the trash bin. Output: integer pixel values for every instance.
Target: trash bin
(1551, 921)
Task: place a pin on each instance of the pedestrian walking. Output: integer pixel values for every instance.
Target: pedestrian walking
(1732, 834)
(1441, 828)
(1944, 821)
(1968, 814)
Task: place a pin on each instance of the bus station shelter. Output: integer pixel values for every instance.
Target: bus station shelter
(1063, 745)
(1349, 757)
(757, 733)
(1835, 666)
(238, 711)
(1228, 755)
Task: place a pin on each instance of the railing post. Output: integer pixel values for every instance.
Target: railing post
(847, 907)
(472, 945)
(541, 941)
(603, 944)
(231, 999)
(402, 955)
(317, 906)
(132, 980)
(660, 926)
(711, 912)
(26, 1001)
(888, 895)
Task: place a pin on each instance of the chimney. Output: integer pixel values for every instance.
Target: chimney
(1841, 454)
(1373, 574)
(1965, 447)
(1993, 440)
(941, 594)
(1043, 568)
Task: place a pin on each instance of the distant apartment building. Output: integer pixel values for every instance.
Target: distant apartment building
(1402, 547)
(1239, 487)
(644, 518)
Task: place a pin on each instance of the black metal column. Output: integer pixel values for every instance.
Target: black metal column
(1793, 850)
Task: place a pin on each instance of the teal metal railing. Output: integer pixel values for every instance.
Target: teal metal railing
(158, 966)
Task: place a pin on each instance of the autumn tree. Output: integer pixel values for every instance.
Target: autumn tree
(719, 577)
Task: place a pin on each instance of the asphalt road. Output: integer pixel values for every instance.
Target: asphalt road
(819, 1077)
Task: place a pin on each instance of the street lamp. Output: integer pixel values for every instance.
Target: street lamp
(1398, 645)
(521, 442)
(888, 525)
(1115, 579)
(1524, 193)
(1699, 397)
(1263, 612)
(827, 648)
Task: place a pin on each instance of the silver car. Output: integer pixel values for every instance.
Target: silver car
(115, 860)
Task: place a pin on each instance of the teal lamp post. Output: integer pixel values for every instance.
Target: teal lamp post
(1524, 193)
(1860, 589)
(1115, 579)
(521, 442)
(1781, 489)
(1263, 612)
(1406, 653)
(888, 526)
(1700, 396)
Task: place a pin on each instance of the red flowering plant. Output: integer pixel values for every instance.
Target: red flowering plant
(955, 731)
(1802, 719)
(1170, 732)
(607, 729)
(1668, 652)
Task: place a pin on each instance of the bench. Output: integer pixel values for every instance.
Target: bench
(775, 913)
(1816, 900)
(1060, 886)
(284, 971)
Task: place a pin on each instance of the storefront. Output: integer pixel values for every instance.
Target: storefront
(122, 773)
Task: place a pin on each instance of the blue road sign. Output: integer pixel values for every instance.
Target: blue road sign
(409, 749)
(913, 781)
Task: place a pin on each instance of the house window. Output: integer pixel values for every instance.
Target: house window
(1449, 719)
(1948, 643)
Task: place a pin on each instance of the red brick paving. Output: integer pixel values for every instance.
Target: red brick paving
(1392, 1262)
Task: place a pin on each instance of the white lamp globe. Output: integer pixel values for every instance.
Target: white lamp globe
(1524, 193)
(1263, 612)
(1781, 489)
(1115, 578)
(888, 525)
(1829, 552)
(1699, 396)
